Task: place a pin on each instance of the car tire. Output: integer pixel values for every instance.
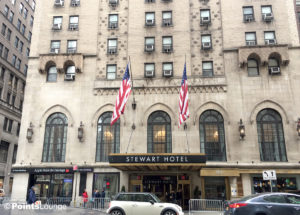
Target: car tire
(116, 212)
(169, 212)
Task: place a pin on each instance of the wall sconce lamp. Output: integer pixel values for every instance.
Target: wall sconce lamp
(133, 104)
(298, 127)
(242, 129)
(80, 132)
(29, 133)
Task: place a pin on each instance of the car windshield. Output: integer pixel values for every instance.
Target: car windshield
(155, 197)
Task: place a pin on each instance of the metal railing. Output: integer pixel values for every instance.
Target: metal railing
(199, 205)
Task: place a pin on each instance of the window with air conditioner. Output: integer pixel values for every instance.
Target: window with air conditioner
(248, 14)
(267, 14)
(111, 71)
(70, 73)
(112, 46)
(206, 42)
(72, 46)
(113, 21)
(149, 1)
(113, 3)
(270, 38)
(167, 44)
(150, 19)
(149, 44)
(205, 17)
(167, 18)
(55, 47)
(207, 69)
(52, 74)
(73, 23)
(149, 70)
(59, 3)
(75, 3)
(250, 38)
(167, 69)
(273, 66)
(57, 23)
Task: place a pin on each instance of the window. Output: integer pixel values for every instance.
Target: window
(73, 24)
(29, 36)
(21, 104)
(149, 1)
(149, 70)
(111, 71)
(3, 151)
(248, 14)
(149, 44)
(70, 73)
(14, 157)
(291, 199)
(212, 136)
(3, 29)
(72, 46)
(250, 38)
(112, 46)
(55, 46)
(11, 16)
(27, 52)
(21, 46)
(113, 21)
(206, 42)
(55, 138)
(8, 35)
(18, 129)
(75, 3)
(18, 64)
(267, 14)
(252, 67)
(270, 38)
(113, 3)
(13, 61)
(13, 2)
(25, 70)
(31, 20)
(2, 73)
(273, 66)
(16, 83)
(7, 125)
(167, 69)
(82, 183)
(19, 24)
(149, 18)
(6, 9)
(1, 89)
(23, 29)
(25, 13)
(108, 137)
(16, 42)
(275, 199)
(167, 18)
(1, 49)
(204, 17)
(297, 2)
(21, 8)
(5, 55)
(167, 44)
(33, 5)
(13, 100)
(270, 136)
(52, 74)
(8, 98)
(159, 133)
(207, 69)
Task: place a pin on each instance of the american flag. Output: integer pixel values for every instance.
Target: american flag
(183, 99)
(123, 95)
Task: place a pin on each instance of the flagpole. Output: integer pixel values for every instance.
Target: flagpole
(185, 125)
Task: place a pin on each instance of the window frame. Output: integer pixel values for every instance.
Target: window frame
(210, 72)
(107, 71)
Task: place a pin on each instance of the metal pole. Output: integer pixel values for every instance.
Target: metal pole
(187, 141)
(271, 186)
(75, 188)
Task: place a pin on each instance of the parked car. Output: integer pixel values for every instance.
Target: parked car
(2, 194)
(265, 204)
(141, 203)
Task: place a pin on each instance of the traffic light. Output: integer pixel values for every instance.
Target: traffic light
(107, 184)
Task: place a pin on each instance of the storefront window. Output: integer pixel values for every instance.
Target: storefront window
(283, 184)
(109, 182)
(215, 188)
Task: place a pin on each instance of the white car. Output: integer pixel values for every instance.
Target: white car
(141, 203)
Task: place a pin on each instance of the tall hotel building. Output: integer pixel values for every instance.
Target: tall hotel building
(16, 21)
(242, 62)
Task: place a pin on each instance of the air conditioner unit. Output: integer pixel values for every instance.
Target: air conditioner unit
(150, 22)
(167, 73)
(112, 51)
(167, 22)
(274, 70)
(205, 20)
(149, 48)
(56, 26)
(113, 2)
(113, 25)
(59, 3)
(75, 3)
(149, 73)
(71, 50)
(249, 18)
(73, 26)
(54, 50)
(206, 45)
(250, 43)
(167, 49)
(270, 42)
(69, 77)
(268, 17)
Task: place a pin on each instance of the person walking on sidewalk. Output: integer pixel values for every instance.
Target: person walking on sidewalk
(85, 197)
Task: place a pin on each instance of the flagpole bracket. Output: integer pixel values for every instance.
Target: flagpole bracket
(185, 126)
(133, 126)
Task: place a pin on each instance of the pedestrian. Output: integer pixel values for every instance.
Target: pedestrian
(179, 197)
(85, 197)
(31, 196)
(97, 198)
(172, 197)
(102, 198)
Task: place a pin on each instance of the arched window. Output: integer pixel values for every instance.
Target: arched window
(70, 70)
(212, 136)
(108, 137)
(159, 135)
(273, 65)
(52, 74)
(253, 69)
(55, 138)
(270, 136)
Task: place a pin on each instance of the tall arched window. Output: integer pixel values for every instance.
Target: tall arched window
(159, 135)
(108, 137)
(253, 69)
(52, 74)
(55, 138)
(212, 136)
(270, 136)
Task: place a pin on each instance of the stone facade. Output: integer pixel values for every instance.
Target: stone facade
(230, 90)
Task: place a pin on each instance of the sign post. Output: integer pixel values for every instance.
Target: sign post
(269, 175)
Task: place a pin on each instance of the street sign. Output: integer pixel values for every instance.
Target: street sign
(269, 175)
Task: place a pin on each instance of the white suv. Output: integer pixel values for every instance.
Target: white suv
(141, 203)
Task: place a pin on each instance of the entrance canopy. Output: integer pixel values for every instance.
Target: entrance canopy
(155, 162)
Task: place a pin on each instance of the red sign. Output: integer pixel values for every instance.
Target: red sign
(75, 167)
